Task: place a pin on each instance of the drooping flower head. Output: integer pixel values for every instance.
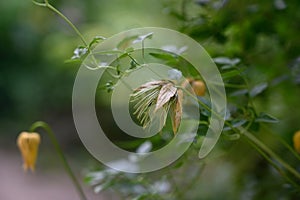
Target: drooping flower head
(296, 141)
(28, 144)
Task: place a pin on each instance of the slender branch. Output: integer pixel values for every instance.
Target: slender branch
(273, 163)
(48, 5)
(183, 9)
(282, 141)
(269, 151)
(251, 137)
(48, 130)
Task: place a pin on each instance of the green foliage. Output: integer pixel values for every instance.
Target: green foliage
(256, 48)
(245, 46)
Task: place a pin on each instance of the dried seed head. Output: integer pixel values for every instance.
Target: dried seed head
(166, 92)
(161, 94)
(144, 97)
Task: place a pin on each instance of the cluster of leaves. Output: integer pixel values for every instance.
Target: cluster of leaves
(152, 101)
(211, 23)
(131, 186)
(234, 40)
(81, 51)
(255, 60)
(162, 94)
(241, 110)
(161, 185)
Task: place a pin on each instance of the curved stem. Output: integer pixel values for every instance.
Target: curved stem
(48, 5)
(59, 151)
(273, 163)
(261, 145)
(282, 141)
(253, 139)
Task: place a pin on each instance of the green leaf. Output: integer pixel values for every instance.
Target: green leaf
(142, 197)
(109, 86)
(230, 74)
(178, 164)
(129, 50)
(226, 61)
(239, 92)
(255, 127)
(133, 64)
(96, 40)
(87, 179)
(142, 38)
(101, 187)
(162, 56)
(264, 117)
(79, 52)
(235, 123)
(126, 42)
(258, 89)
(232, 136)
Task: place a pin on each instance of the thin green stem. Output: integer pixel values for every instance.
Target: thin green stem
(48, 130)
(282, 141)
(271, 162)
(251, 137)
(48, 5)
(184, 9)
(269, 151)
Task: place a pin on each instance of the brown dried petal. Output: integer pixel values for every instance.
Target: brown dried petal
(150, 84)
(176, 111)
(166, 92)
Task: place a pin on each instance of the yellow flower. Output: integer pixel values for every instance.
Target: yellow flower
(296, 140)
(28, 144)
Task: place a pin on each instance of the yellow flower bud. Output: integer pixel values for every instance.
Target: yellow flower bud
(198, 87)
(28, 144)
(296, 140)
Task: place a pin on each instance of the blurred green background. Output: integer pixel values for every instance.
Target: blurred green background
(36, 83)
